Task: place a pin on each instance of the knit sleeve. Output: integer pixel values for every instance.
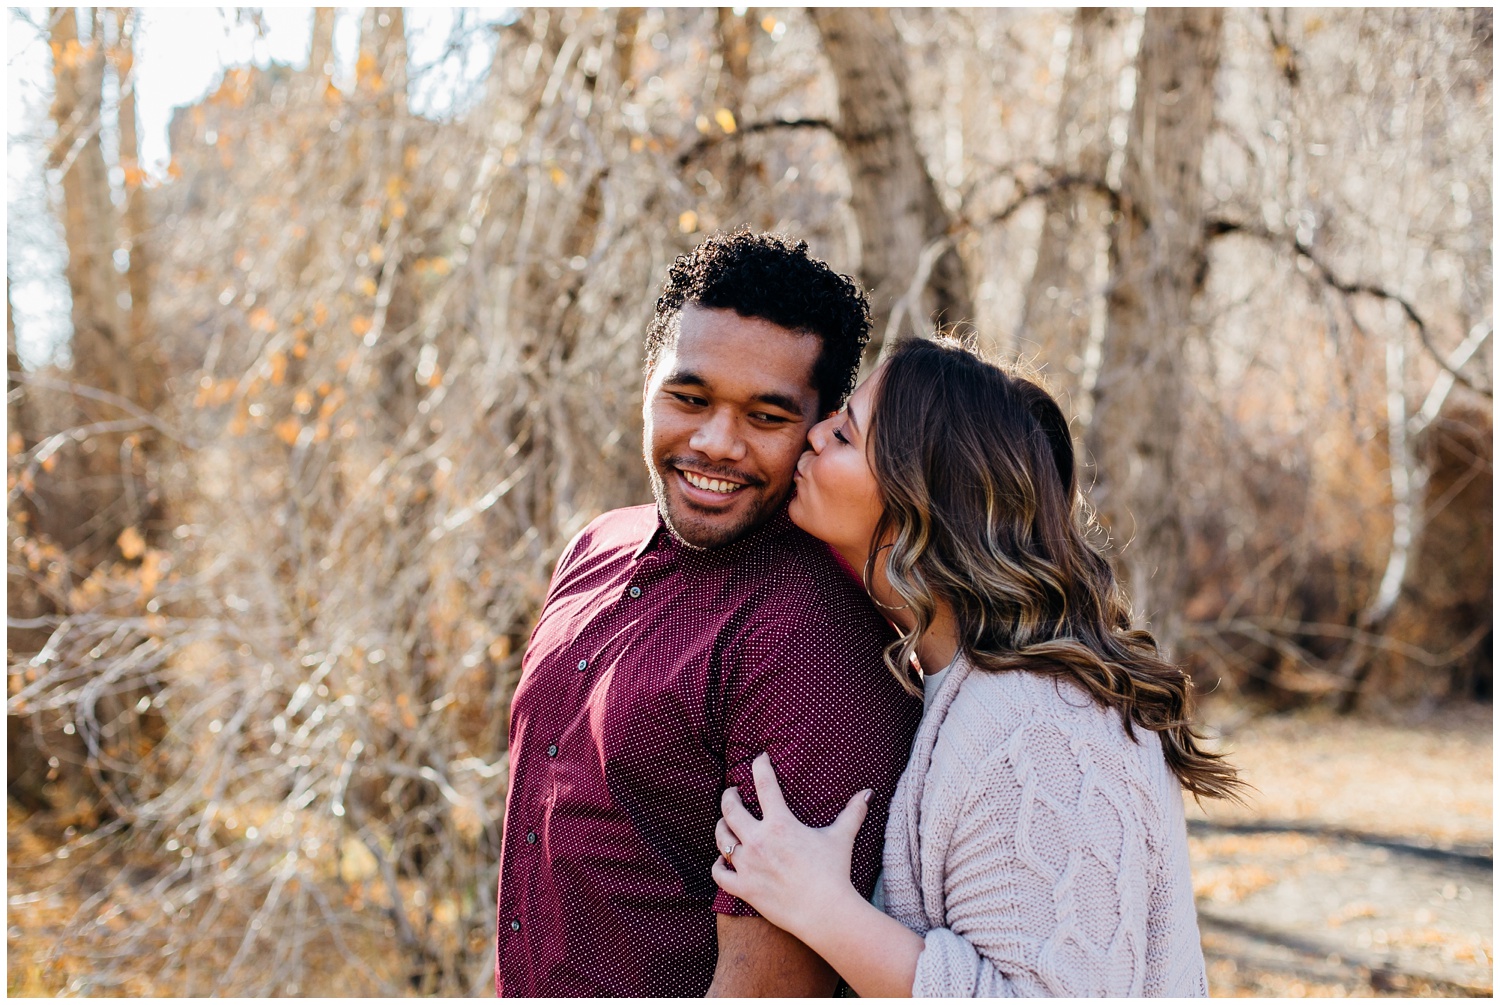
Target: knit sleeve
(1046, 878)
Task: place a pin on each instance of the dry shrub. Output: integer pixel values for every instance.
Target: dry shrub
(402, 369)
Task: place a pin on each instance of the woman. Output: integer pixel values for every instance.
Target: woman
(1036, 843)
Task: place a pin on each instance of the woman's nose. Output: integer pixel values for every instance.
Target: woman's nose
(817, 436)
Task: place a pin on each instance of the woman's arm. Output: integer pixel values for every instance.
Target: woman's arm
(797, 877)
(1046, 880)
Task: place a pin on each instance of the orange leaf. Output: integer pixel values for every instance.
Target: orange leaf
(131, 543)
(278, 367)
(361, 324)
(287, 430)
(331, 403)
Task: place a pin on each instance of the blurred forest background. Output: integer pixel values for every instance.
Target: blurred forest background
(340, 384)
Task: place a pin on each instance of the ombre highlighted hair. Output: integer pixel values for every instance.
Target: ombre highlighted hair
(982, 511)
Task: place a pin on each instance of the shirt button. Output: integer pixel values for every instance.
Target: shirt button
(515, 926)
(583, 665)
(531, 837)
(551, 750)
(635, 591)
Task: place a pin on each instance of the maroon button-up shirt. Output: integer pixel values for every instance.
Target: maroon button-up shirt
(654, 676)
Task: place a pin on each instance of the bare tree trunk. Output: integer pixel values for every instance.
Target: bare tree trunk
(320, 51)
(99, 342)
(903, 226)
(733, 31)
(1057, 312)
(15, 407)
(137, 221)
(381, 67)
(1412, 536)
(1158, 264)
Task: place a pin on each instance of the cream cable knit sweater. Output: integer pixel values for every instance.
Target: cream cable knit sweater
(1039, 849)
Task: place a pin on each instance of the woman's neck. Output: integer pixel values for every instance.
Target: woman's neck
(939, 643)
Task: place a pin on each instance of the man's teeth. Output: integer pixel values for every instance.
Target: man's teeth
(711, 484)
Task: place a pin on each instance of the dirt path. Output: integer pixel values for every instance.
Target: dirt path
(1363, 866)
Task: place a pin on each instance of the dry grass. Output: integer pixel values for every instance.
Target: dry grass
(1429, 779)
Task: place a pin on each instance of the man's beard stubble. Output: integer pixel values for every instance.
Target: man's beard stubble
(679, 523)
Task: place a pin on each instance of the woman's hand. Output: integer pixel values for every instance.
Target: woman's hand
(792, 874)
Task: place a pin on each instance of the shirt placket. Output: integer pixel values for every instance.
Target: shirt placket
(591, 645)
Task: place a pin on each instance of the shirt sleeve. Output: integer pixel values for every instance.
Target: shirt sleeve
(834, 721)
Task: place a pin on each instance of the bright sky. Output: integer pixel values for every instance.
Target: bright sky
(180, 53)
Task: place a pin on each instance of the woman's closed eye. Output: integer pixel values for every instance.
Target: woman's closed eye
(838, 434)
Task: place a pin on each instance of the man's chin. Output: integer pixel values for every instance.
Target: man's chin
(706, 532)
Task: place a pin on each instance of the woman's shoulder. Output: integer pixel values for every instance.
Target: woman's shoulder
(1018, 695)
(996, 712)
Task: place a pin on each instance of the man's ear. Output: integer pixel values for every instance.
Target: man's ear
(647, 374)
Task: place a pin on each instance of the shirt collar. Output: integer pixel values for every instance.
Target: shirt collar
(778, 525)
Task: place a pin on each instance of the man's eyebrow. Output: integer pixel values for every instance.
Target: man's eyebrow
(685, 377)
(784, 402)
(775, 399)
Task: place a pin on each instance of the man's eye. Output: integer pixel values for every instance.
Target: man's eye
(838, 434)
(688, 399)
(768, 417)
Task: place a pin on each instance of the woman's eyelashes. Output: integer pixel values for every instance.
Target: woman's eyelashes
(838, 434)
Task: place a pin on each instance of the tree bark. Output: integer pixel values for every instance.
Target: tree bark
(1058, 308)
(1157, 266)
(89, 219)
(137, 222)
(381, 67)
(733, 37)
(895, 203)
(320, 51)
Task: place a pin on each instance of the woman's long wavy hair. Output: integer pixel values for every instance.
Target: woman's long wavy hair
(982, 511)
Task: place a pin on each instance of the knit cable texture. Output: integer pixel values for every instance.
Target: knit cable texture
(1039, 849)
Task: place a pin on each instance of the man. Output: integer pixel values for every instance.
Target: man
(679, 641)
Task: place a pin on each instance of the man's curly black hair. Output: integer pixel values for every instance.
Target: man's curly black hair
(771, 277)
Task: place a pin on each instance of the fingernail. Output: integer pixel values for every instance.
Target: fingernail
(868, 794)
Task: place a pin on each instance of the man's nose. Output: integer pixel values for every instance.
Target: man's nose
(719, 437)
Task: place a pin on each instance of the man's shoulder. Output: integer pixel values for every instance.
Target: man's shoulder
(618, 529)
(796, 591)
(805, 571)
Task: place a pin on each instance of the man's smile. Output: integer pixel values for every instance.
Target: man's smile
(718, 486)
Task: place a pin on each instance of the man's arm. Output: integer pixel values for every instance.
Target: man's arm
(759, 960)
